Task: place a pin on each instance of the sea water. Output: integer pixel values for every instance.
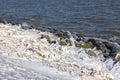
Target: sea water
(93, 18)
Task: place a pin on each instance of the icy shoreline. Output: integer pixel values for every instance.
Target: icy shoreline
(60, 55)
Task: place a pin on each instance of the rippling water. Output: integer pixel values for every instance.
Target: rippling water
(97, 18)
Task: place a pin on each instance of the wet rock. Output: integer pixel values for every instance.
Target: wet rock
(43, 56)
(99, 45)
(64, 38)
(117, 58)
(62, 43)
(79, 45)
(112, 47)
(48, 39)
(59, 34)
(62, 34)
(86, 45)
(65, 42)
(91, 53)
(109, 49)
(69, 42)
(114, 50)
(80, 37)
(106, 54)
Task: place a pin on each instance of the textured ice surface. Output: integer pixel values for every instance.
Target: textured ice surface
(25, 55)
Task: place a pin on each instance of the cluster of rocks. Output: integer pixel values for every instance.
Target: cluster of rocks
(35, 45)
(109, 49)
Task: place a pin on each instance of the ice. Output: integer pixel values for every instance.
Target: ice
(26, 55)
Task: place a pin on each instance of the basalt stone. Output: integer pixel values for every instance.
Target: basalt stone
(80, 37)
(69, 42)
(65, 42)
(91, 53)
(108, 49)
(62, 34)
(86, 45)
(79, 45)
(114, 50)
(112, 47)
(53, 30)
(43, 56)
(62, 43)
(106, 54)
(59, 34)
(117, 58)
(99, 45)
(66, 35)
(48, 39)
(54, 42)
(113, 55)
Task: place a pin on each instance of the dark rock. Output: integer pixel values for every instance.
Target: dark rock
(112, 47)
(39, 54)
(48, 39)
(109, 49)
(62, 34)
(54, 42)
(59, 34)
(80, 37)
(99, 45)
(117, 58)
(106, 54)
(69, 42)
(114, 50)
(91, 53)
(86, 45)
(79, 45)
(65, 42)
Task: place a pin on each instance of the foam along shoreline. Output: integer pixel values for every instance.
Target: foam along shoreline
(84, 57)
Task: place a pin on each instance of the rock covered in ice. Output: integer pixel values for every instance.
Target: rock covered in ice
(81, 60)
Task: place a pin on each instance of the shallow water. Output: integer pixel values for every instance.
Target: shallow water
(99, 18)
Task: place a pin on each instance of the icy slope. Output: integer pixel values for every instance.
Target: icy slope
(35, 54)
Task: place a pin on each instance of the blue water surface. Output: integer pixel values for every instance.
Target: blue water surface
(97, 18)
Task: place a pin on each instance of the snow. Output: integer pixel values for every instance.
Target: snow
(24, 55)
